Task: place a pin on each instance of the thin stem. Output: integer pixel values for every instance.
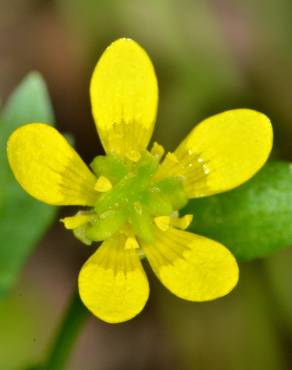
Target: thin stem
(66, 335)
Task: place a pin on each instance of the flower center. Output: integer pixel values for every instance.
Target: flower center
(130, 199)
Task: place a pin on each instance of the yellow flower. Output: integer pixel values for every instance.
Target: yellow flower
(133, 195)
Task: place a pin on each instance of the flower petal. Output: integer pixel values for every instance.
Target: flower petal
(221, 153)
(48, 168)
(124, 98)
(112, 283)
(191, 266)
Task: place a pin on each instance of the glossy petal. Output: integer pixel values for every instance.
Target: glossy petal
(221, 153)
(191, 266)
(124, 97)
(112, 283)
(48, 168)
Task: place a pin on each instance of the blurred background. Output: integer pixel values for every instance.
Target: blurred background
(209, 56)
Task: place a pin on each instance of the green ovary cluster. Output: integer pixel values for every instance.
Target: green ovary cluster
(136, 198)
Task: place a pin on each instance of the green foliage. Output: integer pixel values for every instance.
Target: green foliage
(23, 220)
(253, 220)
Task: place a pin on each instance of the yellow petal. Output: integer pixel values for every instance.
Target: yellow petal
(124, 97)
(221, 153)
(191, 266)
(112, 283)
(48, 168)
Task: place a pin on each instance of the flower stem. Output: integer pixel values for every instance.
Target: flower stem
(66, 335)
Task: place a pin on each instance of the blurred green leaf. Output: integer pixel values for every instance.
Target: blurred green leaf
(23, 220)
(253, 220)
(30, 102)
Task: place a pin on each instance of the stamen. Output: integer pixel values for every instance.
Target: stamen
(103, 184)
(134, 156)
(172, 158)
(131, 243)
(183, 222)
(73, 222)
(162, 222)
(157, 150)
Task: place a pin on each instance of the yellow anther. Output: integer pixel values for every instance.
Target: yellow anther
(183, 222)
(162, 222)
(171, 157)
(131, 243)
(157, 150)
(73, 222)
(103, 184)
(133, 155)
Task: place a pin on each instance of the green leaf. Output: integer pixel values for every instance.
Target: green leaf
(30, 102)
(23, 220)
(253, 220)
